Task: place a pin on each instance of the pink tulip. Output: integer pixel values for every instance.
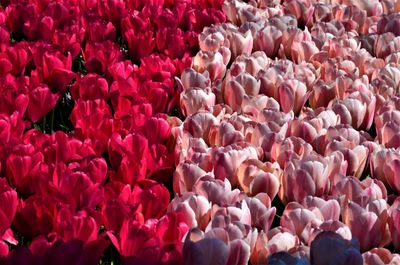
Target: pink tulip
(357, 109)
(199, 124)
(255, 177)
(355, 155)
(237, 87)
(239, 42)
(368, 225)
(224, 134)
(288, 149)
(384, 165)
(250, 64)
(212, 62)
(216, 191)
(252, 106)
(380, 256)
(360, 192)
(308, 176)
(185, 175)
(212, 38)
(304, 129)
(292, 95)
(227, 159)
(268, 40)
(281, 239)
(195, 207)
(195, 99)
(261, 215)
(297, 218)
(322, 94)
(394, 223)
(191, 78)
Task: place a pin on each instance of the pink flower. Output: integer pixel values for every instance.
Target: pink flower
(393, 221)
(255, 177)
(380, 255)
(268, 40)
(308, 176)
(368, 225)
(213, 62)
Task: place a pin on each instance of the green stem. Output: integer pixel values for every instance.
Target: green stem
(52, 121)
(44, 124)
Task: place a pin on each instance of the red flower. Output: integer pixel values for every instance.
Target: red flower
(52, 68)
(90, 87)
(41, 101)
(152, 198)
(99, 55)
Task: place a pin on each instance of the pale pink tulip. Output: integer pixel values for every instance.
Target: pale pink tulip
(331, 225)
(383, 165)
(237, 87)
(195, 208)
(250, 64)
(212, 62)
(191, 78)
(239, 42)
(227, 159)
(224, 134)
(281, 239)
(199, 124)
(252, 106)
(378, 256)
(360, 192)
(308, 176)
(216, 191)
(288, 149)
(329, 209)
(256, 177)
(292, 95)
(212, 38)
(368, 225)
(195, 99)
(185, 175)
(296, 218)
(268, 40)
(394, 223)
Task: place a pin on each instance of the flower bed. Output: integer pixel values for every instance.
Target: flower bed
(199, 132)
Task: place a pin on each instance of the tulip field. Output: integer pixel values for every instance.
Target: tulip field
(199, 132)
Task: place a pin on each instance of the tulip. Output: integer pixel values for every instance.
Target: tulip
(255, 177)
(268, 40)
(196, 207)
(345, 252)
(308, 176)
(195, 99)
(227, 159)
(368, 225)
(380, 256)
(213, 62)
(383, 165)
(393, 221)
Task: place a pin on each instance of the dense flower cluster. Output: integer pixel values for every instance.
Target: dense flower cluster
(199, 132)
(77, 197)
(290, 135)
